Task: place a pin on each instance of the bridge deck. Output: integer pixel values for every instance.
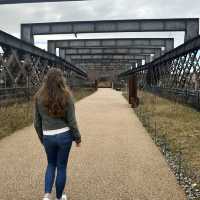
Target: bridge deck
(117, 160)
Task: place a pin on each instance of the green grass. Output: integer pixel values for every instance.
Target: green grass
(19, 115)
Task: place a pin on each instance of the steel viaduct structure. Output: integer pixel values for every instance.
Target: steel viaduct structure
(115, 46)
(109, 51)
(23, 64)
(31, 1)
(175, 74)
(189, 25)
(120, 43)
(90, 48)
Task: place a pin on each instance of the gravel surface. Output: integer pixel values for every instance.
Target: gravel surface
(117, 159)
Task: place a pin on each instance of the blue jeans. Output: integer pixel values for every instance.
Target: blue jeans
(57, 148)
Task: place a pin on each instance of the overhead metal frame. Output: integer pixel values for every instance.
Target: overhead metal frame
(109, 51)
(189, 46)
(108, 57)
(168, 43)
(67, 53)
(110, 60)
(109, 63)
(175, 75)
(114, 67)
(112, 64)
(107, 44)
(72, 58)
(104, 61)
(111, 45)
(188, 25)
(32, 1)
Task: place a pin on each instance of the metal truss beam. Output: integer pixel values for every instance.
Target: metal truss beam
(108, 64)
(110, 68)
(10, 42)
(189, 25)
(115, 51)
(168, 43)
(109, 57)
(184, 49)
(104, 61)
(97, 58)
(64, 53)
(104, 67)
(31, 1)
(175, 75)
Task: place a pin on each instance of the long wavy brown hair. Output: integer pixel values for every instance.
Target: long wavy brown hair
(54, 93)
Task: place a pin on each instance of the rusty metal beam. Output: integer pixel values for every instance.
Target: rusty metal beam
(10, 42)
(108, 57)
(184, 49)
(32, 1)
(168, 43)
(188, 25)
(67, 53)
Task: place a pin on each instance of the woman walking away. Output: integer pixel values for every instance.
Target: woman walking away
(56, 126)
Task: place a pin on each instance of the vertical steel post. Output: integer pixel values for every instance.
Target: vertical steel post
(135, 99)
(96, 84)
(130, 90)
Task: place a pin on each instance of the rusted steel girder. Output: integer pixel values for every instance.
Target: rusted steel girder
(32, 1)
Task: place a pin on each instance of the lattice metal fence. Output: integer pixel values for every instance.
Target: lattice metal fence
(23, 66)
(181, 73)
(175, 74)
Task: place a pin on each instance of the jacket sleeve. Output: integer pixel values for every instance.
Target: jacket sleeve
(37, 121)
(71, 119)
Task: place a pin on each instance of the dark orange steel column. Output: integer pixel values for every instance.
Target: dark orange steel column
(96, 84)
(135, 99)
(130, 90)
(132, 85)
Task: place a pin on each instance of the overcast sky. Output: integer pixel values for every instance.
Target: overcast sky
(11, 16)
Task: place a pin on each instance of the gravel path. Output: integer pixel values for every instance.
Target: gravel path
(117, 160)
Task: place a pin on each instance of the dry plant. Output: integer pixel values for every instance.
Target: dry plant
(20, 115)
(179, 123)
